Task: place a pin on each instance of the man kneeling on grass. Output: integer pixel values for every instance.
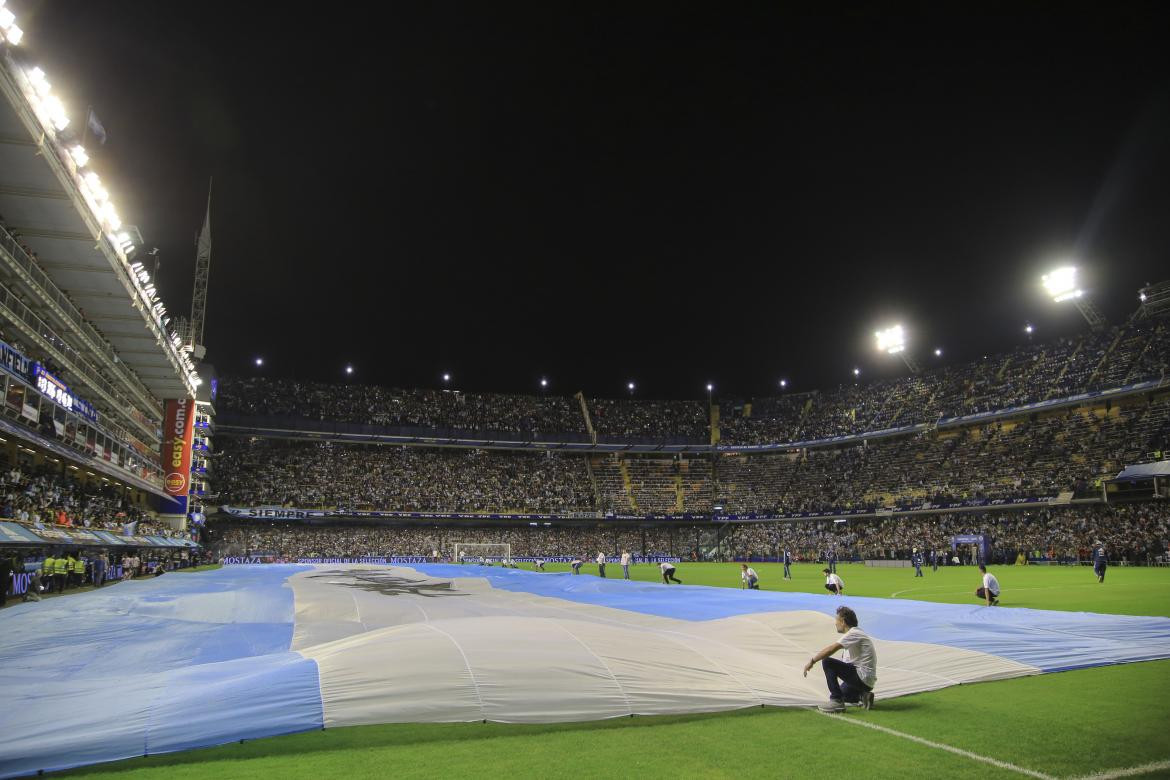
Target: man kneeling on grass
(857, 676)
(990, 590)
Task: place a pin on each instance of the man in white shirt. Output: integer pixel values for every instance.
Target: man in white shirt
(833, 583)
(667, 570)
(857, 676)
(990, 590)
(625, 564)
(748, 577)
(601, 564)
(540, 565)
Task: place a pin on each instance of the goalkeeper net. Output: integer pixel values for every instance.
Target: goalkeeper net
(476, 552)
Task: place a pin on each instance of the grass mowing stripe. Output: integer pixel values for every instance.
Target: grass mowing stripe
(1132, 771)
(940, 746)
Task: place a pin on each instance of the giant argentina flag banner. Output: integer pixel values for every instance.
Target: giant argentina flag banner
(192, 660)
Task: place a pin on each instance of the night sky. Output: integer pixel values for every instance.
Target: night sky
(599, 194)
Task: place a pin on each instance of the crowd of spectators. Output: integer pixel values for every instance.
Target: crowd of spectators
(1139, 533)
(43, 497)
(519, 415)
(1034, 372)
(292, 541)
(1042, 455)
(675, 421)
(259, 472)
(1031, 373)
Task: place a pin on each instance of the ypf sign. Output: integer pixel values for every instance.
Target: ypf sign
(176, 447)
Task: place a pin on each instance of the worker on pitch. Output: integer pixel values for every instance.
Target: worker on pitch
(748, 578)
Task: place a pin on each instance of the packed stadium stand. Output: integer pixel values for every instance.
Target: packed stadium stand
(257, 472)
(1097, 402)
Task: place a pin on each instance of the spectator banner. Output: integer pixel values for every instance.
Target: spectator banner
(14, 362)
(14, 533)
(176, 450)
(282, 513)
(56, 536)
(58, 392)
(238, 560)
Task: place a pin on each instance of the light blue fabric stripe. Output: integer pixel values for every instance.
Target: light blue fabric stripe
(1048, 640)
(150, 666)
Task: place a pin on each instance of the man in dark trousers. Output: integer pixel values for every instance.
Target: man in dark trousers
(99, 568)
(831, 559)
(1099, 560)
(787, 563)
(916, 559)
(853, 680)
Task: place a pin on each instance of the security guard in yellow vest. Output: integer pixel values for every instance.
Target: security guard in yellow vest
(47, 568)
(78, 571)
(61, 570)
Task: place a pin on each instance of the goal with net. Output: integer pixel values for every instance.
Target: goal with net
(479, 552)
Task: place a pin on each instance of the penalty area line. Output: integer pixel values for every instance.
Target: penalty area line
(940, 746)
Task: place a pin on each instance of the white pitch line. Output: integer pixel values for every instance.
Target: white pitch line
(1108, 774)
(940, 746)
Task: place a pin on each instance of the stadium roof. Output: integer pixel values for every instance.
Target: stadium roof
(42, 199)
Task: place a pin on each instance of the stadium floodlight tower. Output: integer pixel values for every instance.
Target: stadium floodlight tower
(1061, 286)
(892, 341)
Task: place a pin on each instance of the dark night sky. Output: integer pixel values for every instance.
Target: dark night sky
(599, 194)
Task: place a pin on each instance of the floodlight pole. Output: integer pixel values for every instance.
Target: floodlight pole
(910, 362)
(1090, 312)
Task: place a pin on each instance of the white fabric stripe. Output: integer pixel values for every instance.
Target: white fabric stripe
(1144, 769)
(940, 746)
(475, 682)
(713, 662)
(601, 661)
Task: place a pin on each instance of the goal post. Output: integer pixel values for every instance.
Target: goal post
(481, 552)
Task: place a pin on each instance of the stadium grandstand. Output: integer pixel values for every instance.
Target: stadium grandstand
(371, 556)
(91, 360)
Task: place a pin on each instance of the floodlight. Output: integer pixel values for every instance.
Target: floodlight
(1061, 284)
(56, 111)
(446, 377)
(6, 19)
(543, 382)
(938, 353)
(891, 340)
(630, 387)
(1028, 328)
(710, 387)
(857, 372)
(111, 216)
(14, 35)
(77, 152)
(259, 361)
(349, 369)
(784, 383)
(40, 84)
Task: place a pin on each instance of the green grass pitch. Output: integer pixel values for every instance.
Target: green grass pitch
(1110, 721)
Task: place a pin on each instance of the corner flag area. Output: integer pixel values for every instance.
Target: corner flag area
(196, 660)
